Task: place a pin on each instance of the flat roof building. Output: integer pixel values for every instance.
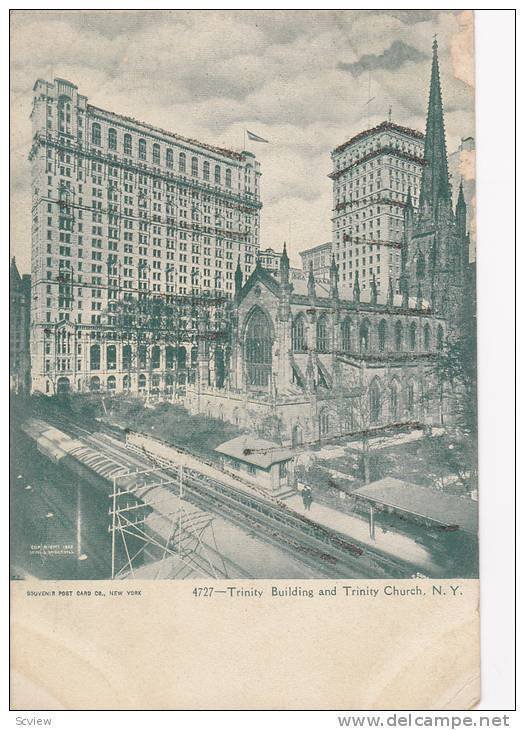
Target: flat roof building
(318, 258)
(373, 173)
(123, 211)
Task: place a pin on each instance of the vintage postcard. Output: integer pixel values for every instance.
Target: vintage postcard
(243, 359)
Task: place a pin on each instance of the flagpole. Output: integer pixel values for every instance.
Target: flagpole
(244, 148)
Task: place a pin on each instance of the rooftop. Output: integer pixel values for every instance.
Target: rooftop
(319, 247)
(446, 509)
(256, 451)
(188, 140)
(383, 127)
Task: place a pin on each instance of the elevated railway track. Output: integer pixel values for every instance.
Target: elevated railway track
(326, 552)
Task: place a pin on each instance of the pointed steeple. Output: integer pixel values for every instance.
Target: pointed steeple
(333, 279)
(434, 182)
(238, 277)
(357, 288)
(311, 280)
(284, 266)
(461, 211)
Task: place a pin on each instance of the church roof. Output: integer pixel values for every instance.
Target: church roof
(322, 291)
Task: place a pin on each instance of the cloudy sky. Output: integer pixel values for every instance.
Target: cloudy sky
(298, 78)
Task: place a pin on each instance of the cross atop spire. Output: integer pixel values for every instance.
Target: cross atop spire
(434, 183)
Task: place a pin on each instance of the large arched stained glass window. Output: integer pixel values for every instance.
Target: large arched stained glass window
(439, 338)
(258, 349)
(382, 329)
(394, 400)
(364, 336)
(399, 335)
(346, 333)
(298, 334)
(375, 402)
(322, 334)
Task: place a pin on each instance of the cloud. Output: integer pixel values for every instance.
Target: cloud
(211, 74)
(398, 54)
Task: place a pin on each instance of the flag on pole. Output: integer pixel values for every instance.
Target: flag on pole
(255, 137)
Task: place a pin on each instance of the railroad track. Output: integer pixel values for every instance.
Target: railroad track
(325, 551)
(313, 543)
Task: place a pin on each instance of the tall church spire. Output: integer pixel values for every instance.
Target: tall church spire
(434, 183)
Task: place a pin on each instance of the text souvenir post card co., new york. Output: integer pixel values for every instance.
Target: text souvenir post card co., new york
(243, 360)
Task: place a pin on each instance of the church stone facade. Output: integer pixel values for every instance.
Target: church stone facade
(320, 360)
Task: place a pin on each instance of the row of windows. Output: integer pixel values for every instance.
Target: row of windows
(299, 343)
(96, 139)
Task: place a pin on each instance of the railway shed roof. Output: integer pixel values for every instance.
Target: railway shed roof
(256, 451)
(422, 502)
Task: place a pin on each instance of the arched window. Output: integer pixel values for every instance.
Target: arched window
(182, 162)
(258, 349)
(324, 423)
(375, 402)
(169, 158)
(412, 335)
(155, 383)
(298, 334)
(399, 335)
(410, 398)
(217, 175)
(346, 334)
(194, 167)
(382, 335)
(63, 386)
(156, 154)
(170, 357)
(143, 356)
(228, 178)
(322, 344)
(169, 381)
(128, 145)
(94, 384)
(155, 357)
(112, 383)
(96, 137)
(297, 436)
(126, 357)
(439, 339)
(111, 357)
(206, 170)
(426, 336)
(364, 336)
(142, 149)
(142, 382)
(94, 357)
(112, 139)
(394, 400)
(126, 382)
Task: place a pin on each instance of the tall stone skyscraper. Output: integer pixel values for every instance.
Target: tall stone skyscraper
(123, 211)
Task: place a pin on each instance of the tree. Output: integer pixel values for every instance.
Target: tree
(455, 370)
(359, 406)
